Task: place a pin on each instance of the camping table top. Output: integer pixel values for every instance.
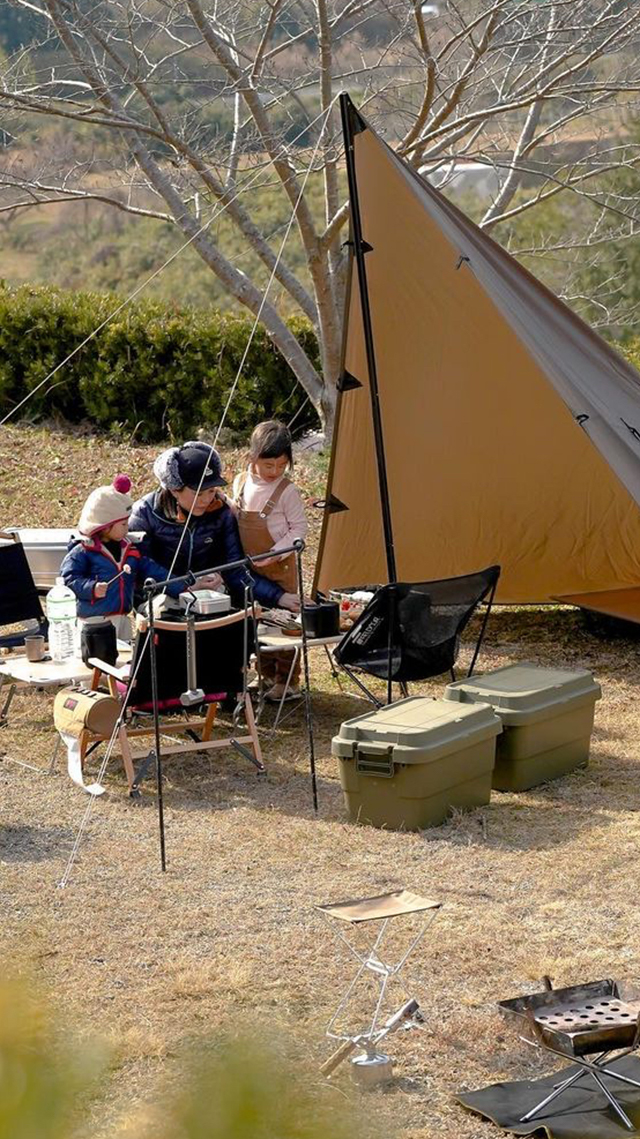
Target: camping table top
(44, 672)
(274, 639)
(621, 603)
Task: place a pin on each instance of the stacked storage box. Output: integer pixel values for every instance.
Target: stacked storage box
(405, 766)
(547, 720)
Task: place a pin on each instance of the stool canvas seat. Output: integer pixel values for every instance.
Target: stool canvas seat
(378, 908)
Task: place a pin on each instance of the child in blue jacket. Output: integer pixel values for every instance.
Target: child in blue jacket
(103, 568)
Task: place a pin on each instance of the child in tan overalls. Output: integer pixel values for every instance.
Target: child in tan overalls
(271, 516)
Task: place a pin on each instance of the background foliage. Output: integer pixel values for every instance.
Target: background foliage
(153, 371)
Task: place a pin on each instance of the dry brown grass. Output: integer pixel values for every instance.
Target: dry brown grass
(540, 882)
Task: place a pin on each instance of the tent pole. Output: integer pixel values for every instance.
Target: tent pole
(153, 661)
(352, 125)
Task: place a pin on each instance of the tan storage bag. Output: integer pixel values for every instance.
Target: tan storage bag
(78, 709)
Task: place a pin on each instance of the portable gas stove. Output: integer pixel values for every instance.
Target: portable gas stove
(580, 1021)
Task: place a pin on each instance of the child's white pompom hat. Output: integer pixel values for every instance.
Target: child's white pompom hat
(106, 505)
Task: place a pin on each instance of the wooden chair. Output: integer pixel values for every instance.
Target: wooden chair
(220, 652)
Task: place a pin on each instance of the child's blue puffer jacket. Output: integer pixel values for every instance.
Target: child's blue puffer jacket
(89, 561)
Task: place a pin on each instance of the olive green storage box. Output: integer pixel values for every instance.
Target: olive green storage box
(547, 720)
(405, 766)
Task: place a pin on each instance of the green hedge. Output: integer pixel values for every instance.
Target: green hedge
(156, 371)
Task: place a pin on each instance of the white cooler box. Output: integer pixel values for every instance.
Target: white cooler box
(45, 550)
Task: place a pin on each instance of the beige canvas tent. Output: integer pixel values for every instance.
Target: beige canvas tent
(483, 422)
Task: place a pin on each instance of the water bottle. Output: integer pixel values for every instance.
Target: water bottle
(61, 615)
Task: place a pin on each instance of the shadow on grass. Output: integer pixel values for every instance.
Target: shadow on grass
(565, 638)
(549, 816)
(507, 825)
(223, 781)
(543, 818)
(33, 844)
(546, 817)
(284, 790)
(550, 637)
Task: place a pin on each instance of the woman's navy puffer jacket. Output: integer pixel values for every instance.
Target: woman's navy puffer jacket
(210, 540)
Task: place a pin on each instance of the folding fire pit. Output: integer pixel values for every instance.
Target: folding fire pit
(583, 1020)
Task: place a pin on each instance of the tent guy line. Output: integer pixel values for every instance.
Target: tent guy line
(256, 322)
(109, 749)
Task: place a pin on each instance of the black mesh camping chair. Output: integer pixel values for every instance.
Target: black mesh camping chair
(411, 630)
(19, 599)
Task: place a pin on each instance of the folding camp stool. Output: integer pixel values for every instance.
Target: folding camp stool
(379, 911)
(587, 1024)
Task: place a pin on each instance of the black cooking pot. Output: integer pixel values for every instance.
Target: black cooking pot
(99, 640)
(321, 619)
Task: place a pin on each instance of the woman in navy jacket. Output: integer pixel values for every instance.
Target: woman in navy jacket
(188, 525)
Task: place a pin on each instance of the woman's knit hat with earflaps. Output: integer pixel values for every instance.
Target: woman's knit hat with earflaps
(195, 465)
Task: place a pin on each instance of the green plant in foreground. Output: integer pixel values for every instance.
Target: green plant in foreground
(244, 1093)
(41, 1071)
(51, 1084)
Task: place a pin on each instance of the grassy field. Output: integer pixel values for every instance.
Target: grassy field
(539, 882)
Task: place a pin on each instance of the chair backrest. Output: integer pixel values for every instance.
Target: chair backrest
(219, 658)
(19, 599)
(411, 630)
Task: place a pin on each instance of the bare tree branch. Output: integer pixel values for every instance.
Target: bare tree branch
(204, 109)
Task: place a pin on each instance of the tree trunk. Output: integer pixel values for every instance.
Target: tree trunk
(328, 413)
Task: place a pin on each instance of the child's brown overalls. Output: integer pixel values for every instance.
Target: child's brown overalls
(256, 539)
